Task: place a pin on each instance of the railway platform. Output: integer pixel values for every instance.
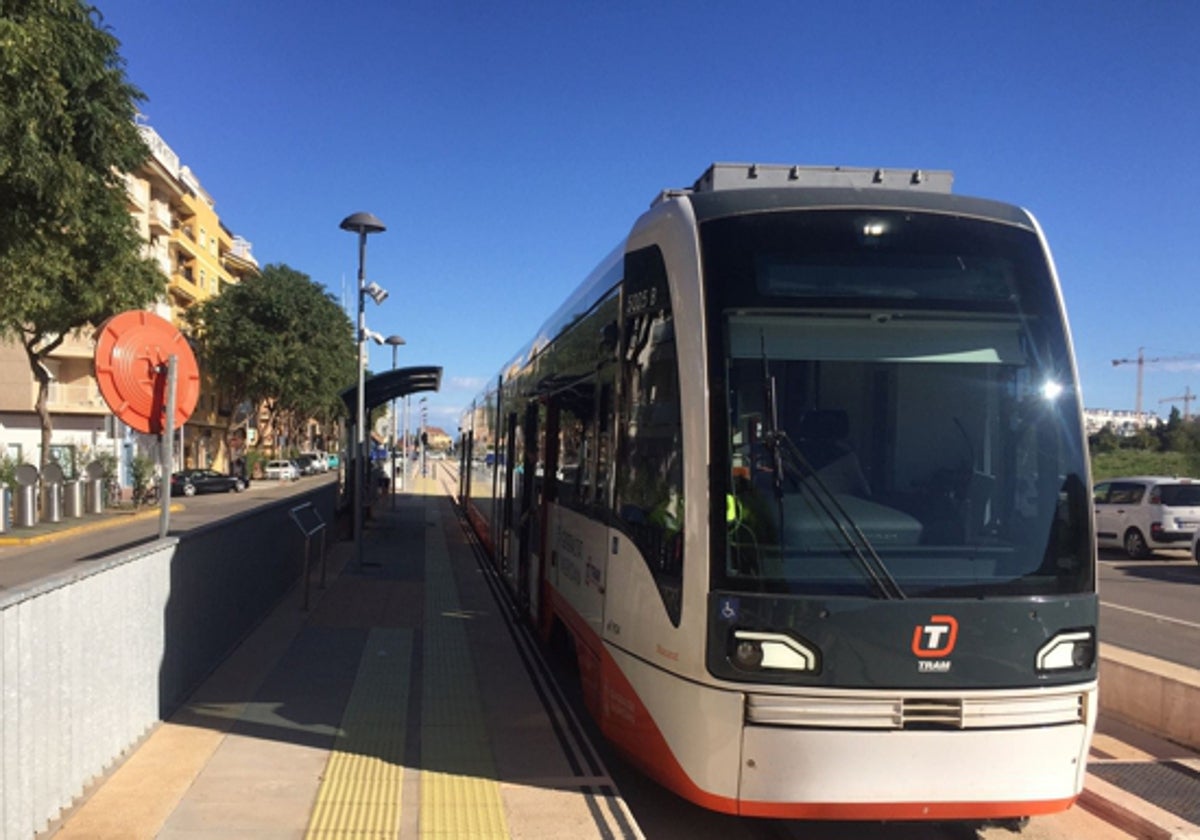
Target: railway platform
(404, 703)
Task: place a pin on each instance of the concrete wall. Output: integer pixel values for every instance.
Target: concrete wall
(1151, 694)
(90, 661)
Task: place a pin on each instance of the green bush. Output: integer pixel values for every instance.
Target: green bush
(8, 472)
(142, 474)
(108, 463)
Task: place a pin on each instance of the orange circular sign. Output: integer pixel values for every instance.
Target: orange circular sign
(132, 351)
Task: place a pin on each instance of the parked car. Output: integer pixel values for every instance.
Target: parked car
(307, 464)
(320, 460)
(1196, 546)
(1145, 513)
(191, 482)
(281, 470)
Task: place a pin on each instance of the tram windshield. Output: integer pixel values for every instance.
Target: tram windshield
(900, 417)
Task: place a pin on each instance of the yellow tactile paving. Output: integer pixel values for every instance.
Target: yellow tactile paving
(460, 806)
(460, 797)
(360, 791)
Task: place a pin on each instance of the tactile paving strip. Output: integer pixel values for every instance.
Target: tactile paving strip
(460, 797)
(1171, 786)
(360, 792)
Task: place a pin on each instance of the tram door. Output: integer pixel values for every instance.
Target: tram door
(511, 472)
(531, 507)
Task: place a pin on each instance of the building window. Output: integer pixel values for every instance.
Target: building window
(64, 456)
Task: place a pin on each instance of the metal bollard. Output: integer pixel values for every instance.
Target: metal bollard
(52, 503)
(73, 499)
(26, 506)
(95, 496)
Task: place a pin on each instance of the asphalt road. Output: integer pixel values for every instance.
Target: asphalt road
(1151, 606)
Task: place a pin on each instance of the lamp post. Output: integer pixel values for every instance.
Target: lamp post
(362, 224)
(395, 341)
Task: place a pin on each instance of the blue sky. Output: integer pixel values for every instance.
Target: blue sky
(509, 146)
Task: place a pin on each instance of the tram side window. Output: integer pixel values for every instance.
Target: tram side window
(576, 437)
(649, 474)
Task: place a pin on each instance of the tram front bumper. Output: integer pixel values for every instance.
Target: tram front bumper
(911, 775)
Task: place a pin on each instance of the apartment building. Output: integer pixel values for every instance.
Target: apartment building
(198, 256)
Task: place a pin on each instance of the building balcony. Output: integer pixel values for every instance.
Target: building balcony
(76, 346)
(160, 217)
(186, 241)
(161, 254)
(79, 397)
(137, 192)
(183, 288)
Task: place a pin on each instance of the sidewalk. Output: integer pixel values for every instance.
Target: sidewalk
(401, 705)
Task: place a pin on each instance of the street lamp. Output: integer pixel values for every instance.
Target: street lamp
(395, 341)
(362, 224)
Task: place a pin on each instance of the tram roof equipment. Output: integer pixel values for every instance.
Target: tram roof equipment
(742, 176)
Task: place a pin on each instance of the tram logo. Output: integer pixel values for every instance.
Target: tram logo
(936, 639)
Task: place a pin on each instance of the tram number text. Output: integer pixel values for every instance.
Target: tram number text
(641, 301)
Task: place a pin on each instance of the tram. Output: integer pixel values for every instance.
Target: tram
(799, 475)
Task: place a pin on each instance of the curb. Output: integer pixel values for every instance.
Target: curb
(1132, 814)
(112, 520)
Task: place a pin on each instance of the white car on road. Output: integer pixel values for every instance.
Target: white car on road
(281, 470)
(1144, 513)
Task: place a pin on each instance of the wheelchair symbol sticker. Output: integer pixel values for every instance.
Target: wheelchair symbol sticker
(729, 609)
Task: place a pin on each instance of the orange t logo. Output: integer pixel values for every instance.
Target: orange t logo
(935, 639)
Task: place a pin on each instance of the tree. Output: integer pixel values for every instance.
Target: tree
(70, 255)
(1105, 440)
(279, 340)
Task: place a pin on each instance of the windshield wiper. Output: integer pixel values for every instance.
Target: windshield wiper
(782, 449)
(787, 455)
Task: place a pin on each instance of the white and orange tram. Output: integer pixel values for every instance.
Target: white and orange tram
(800, 471)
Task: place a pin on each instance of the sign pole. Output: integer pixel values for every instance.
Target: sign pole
(168, 450)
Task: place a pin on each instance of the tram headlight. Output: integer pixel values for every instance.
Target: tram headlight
(748, 655)
(1073, 650)
(759, 651)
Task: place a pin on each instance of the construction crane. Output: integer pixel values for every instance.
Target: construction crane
(1186, 399)
(1141, 361)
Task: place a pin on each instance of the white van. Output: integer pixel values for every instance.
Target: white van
(1145, 513)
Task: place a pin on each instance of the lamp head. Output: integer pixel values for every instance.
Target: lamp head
(376, 292)
(394, 340)
(362, 223)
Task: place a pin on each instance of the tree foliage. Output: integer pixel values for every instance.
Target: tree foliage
(70, 255)
(278, 339)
